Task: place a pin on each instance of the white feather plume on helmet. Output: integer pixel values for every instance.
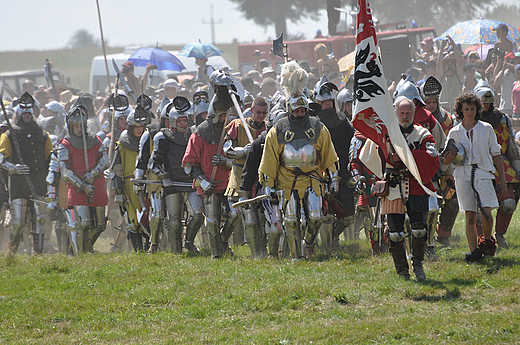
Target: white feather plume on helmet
(293, 79)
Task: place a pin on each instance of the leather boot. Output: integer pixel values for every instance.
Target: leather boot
(400, 261)
(137, 241)
(228, 228)
(418, 249)
(191, 232)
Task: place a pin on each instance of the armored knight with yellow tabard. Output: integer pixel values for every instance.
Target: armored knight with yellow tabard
(299, 158)
(123, 167)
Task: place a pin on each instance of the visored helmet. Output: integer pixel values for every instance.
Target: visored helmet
(26, 101)
(431, 89)
(200, 96)
(145, 101)
(324, 89)
(138, 117)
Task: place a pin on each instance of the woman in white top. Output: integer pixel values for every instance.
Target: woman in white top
(474, 177)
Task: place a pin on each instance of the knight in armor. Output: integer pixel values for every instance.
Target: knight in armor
(83, 159)
(430, 92)
(123, 167)
(236, 148)
(30, 167)
(407, 88)
(209, 167)
(200, 106)
(169, 146)
(341, 132)
(406, 195)
(56, 195)
(156, 210)
(299, 158)
(503, 127)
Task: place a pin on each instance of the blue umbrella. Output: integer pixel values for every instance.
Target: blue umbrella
(478, 31)
(156, 56)
(200, 50)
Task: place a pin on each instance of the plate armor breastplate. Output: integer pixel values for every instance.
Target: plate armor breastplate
(299, 153)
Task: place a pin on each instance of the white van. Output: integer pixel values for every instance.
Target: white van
(98, 74)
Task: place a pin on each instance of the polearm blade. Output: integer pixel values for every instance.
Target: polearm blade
(250, 201)
(49, 77)
(123, 81)
(174, 184)
(239, 111)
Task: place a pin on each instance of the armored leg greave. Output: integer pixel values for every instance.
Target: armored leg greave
(213, 209)
(313, 212)
(253, 233)
(156, 219)
(292, 226)
(100, 224)
(233, 220)
(195, 205)
(18, 222)
(327, 231)
(82, 224)
(175, 207)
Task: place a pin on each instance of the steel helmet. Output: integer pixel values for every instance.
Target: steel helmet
(484, 92)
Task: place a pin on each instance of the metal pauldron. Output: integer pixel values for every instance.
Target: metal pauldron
(235, 152)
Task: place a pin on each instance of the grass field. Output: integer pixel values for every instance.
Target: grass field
(334, 299)
(75, 64)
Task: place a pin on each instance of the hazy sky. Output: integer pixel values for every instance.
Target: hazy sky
(41, 25)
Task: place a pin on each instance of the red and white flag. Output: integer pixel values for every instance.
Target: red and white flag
(374, 115)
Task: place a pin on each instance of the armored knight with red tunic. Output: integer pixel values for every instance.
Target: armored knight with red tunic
(83, 158)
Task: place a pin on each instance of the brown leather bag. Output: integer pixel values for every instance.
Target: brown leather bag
(381, 189)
